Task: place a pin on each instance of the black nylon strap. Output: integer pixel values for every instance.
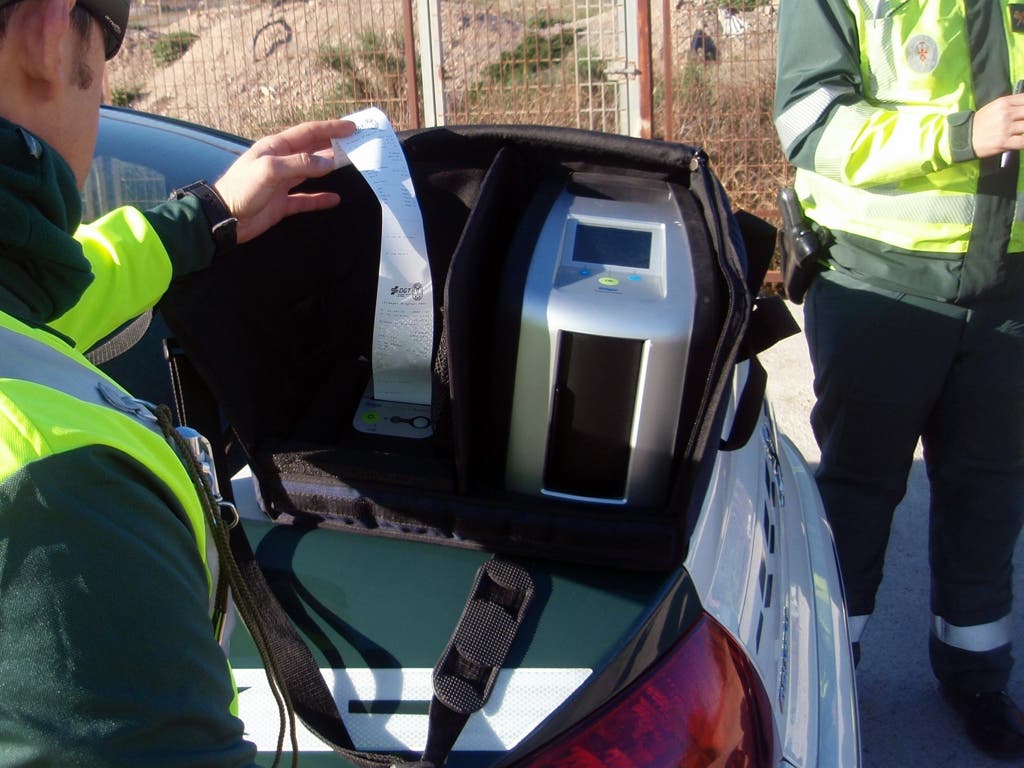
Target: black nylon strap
(498, 601)
(195, 405)
(314, 704)
(443, 731)
(463, 678)
(464, 675)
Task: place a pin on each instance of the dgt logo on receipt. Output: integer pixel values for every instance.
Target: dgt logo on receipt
(415, 291)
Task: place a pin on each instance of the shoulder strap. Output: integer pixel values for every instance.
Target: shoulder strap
(463, 678)
(122, 340)
(465, 673)
(299, 674)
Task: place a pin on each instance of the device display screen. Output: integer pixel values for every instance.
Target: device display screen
(629, 248)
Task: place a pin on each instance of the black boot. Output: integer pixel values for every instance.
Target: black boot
(993, 722)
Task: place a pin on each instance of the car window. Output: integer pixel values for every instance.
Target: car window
(140, 158)
(113, 182)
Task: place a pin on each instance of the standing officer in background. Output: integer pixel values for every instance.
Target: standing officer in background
(899, 118)
(108, 652)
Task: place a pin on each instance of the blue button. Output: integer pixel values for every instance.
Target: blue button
(635, 278)
(584, 272)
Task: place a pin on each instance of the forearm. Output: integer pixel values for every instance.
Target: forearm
(131, 270)
(817, 69)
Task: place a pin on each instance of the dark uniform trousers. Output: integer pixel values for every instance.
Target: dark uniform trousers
(890, 368)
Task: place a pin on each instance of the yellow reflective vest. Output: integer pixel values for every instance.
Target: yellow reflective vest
(53, 400)
(873, 104)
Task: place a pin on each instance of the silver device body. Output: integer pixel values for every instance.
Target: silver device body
(607, 315)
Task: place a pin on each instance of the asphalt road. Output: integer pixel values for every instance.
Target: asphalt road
(904, 722)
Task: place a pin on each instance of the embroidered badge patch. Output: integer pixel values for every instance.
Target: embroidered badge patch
(1017, 17)
(922, 53)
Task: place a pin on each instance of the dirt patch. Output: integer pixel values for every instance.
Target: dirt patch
(252, 66)
(258, 66)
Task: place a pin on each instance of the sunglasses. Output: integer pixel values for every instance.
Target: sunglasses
(112, 16)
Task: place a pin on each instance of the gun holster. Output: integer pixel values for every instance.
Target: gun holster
(803, 246)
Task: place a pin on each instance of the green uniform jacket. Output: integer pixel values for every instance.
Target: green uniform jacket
(107, 653)
(874, 105)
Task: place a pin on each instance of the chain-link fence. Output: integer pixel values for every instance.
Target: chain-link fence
(722, 69)
(252, 66)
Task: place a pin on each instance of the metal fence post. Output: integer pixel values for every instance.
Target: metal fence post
(645, 62)
(630, 114)
(668, 71)
(412, 96)
(431, 62)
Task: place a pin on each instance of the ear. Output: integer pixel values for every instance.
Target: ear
(40, 32)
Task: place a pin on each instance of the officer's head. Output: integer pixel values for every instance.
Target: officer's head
(52, 58)
(112, 16)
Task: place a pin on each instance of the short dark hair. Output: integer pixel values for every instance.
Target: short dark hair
(80, 19)
(81, 22)
(5, 14)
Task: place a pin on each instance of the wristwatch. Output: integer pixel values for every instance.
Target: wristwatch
(223, 226)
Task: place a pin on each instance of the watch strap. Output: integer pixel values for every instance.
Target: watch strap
(223, 226)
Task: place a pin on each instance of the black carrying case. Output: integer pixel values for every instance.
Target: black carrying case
(280, 332)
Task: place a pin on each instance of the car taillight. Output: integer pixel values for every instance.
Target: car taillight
(700, 705)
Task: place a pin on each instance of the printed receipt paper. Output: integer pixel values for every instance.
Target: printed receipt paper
(403, 333)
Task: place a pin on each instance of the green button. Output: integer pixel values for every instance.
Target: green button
(608, 280)
(371, 417)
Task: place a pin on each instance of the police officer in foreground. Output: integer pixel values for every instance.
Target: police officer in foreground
(902, 124)
(108, 651)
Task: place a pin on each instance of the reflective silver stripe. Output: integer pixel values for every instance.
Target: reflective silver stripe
(833, 153)
(801, 116)
(857, 625)
(889, 204)
(29, 359)
(915, 221)
(977, 638)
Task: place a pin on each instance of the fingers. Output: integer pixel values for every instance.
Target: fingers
(318, 201)
(302, 151)
(289, 170)
(309, 137)
(998, 126)
(258, 186)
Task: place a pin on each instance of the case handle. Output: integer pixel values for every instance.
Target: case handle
(748, 409)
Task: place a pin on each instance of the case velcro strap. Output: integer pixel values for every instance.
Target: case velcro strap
(465, 674)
